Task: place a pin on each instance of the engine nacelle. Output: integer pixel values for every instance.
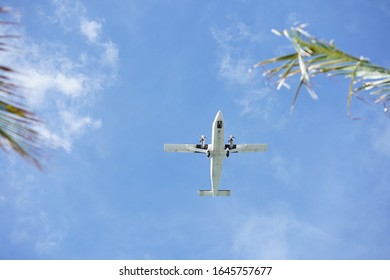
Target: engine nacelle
(227, 152)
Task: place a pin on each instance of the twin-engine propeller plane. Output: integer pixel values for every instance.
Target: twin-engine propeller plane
(216, 151)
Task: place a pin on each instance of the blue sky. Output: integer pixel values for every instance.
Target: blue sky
(115, 80)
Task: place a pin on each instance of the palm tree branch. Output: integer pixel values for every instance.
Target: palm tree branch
(17, 123)
(313, 57)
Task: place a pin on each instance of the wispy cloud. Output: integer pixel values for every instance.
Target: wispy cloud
(91, 29)
(72, 127)
(232, 35)
(263, 237)
(24, 220)
(259, 102)
(110, 54)
(62, 78)
(50, 233)
(234, 70)
(237, 49)
(65, 12)
(277, 234)
(234, 62)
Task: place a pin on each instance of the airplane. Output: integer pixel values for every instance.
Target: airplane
(216, 151)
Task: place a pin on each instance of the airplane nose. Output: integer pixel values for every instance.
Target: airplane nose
(219, 115)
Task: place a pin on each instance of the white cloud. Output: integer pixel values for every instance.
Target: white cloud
(263, 237)
(54, 140)
(90, 29)
(51, 235)
(31, 224)
(110, 55)
(41, 82)
(72, 127)
(65, 12)
(62, 78)
(250, 102)
(234, 70)
(76, 124)
(277, 234)
(237, 47)
(236, 32)
(233, 65)
(237, 44)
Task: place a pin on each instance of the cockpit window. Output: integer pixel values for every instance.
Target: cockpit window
(219, 124)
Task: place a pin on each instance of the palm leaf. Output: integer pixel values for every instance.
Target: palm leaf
(17, 123)
(313, 57)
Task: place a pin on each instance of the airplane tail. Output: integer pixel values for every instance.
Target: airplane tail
(211, 193)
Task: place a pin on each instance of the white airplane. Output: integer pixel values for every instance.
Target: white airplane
(216, 151)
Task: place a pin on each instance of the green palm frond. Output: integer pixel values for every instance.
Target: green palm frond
(313, 57)
(16, 122)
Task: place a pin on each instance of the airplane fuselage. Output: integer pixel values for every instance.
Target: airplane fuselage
(217, 151)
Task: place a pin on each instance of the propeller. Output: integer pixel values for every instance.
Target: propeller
(231, 139)
(202, 140)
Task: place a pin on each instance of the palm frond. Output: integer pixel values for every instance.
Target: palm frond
(16, 121)
(313, 57)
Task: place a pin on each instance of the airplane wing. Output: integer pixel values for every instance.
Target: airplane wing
(186, 148)
(240, 148)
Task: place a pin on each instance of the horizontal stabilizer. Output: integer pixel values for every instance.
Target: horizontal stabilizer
(211, 193)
